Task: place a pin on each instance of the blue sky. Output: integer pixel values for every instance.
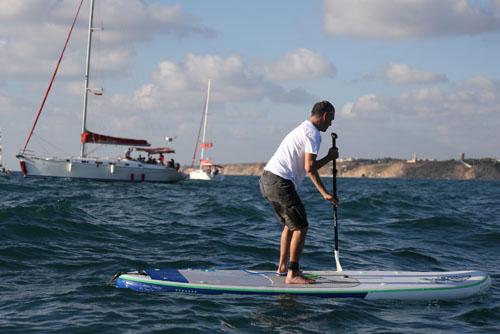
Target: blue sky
(405, 76)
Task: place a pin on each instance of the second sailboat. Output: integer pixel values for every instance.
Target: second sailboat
(207, 170)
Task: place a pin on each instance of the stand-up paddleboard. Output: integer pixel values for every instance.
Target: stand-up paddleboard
(404, 285)
(330, 284)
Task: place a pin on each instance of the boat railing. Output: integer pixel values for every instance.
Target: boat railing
(29, 154)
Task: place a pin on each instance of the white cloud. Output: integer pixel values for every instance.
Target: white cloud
(301, 64)
(404, 74)
(469, 109)
(32, 34)
(390, 19)
(139, 21)
(477, 95)
(180, 85)
(478, 82)
(431, 121)
(370, 103)
(347, 110)
(16, 112)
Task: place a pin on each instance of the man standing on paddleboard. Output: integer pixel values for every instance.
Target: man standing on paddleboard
(294, 158)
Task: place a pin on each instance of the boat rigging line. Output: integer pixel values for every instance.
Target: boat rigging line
(53, 76)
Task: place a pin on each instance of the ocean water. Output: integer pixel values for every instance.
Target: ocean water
(62, 241)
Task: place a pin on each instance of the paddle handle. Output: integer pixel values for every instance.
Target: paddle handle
(334, 171)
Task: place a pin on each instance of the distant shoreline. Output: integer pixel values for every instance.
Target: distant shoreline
(468, 169)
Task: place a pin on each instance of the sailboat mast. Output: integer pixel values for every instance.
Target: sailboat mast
(87, 70)
(205, 121)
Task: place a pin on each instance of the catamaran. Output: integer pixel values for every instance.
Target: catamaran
(85, 166)
(207, 169)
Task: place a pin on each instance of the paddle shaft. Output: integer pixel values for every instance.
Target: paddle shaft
(335, 217)
(334, 174)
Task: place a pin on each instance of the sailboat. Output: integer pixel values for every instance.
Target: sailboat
(207, 170)
(3, 172)
(84, 166)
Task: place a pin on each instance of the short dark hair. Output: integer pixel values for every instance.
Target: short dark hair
(322, 107)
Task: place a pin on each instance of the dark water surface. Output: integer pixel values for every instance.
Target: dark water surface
(62, 241)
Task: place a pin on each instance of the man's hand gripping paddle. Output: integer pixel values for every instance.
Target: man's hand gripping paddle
(334, 172)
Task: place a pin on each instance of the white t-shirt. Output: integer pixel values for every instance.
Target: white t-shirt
(289, 159)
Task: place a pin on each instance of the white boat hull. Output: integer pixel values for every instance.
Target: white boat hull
(199, 174)
(106, 169)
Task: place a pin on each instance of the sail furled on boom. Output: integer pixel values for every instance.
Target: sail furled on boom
(95, 138)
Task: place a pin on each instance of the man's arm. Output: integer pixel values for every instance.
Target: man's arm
(333, 153)
(311, 166)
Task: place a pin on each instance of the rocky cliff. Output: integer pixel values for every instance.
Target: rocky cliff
(482, 169)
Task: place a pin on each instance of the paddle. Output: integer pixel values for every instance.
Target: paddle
(335, 218)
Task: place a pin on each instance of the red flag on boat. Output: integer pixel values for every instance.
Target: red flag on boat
(206, 145)
(95, 92)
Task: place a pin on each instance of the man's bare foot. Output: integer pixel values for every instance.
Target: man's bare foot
(297, 278)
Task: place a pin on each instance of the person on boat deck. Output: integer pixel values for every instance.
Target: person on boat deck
(128, 152)
(170, 163)
(140, 158)
(161, 159)
(283, 174)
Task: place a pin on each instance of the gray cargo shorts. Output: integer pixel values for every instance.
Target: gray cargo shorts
(281, 194)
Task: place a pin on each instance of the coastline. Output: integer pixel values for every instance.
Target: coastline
(469, 169)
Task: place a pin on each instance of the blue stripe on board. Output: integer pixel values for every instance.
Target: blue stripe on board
(172, 275)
